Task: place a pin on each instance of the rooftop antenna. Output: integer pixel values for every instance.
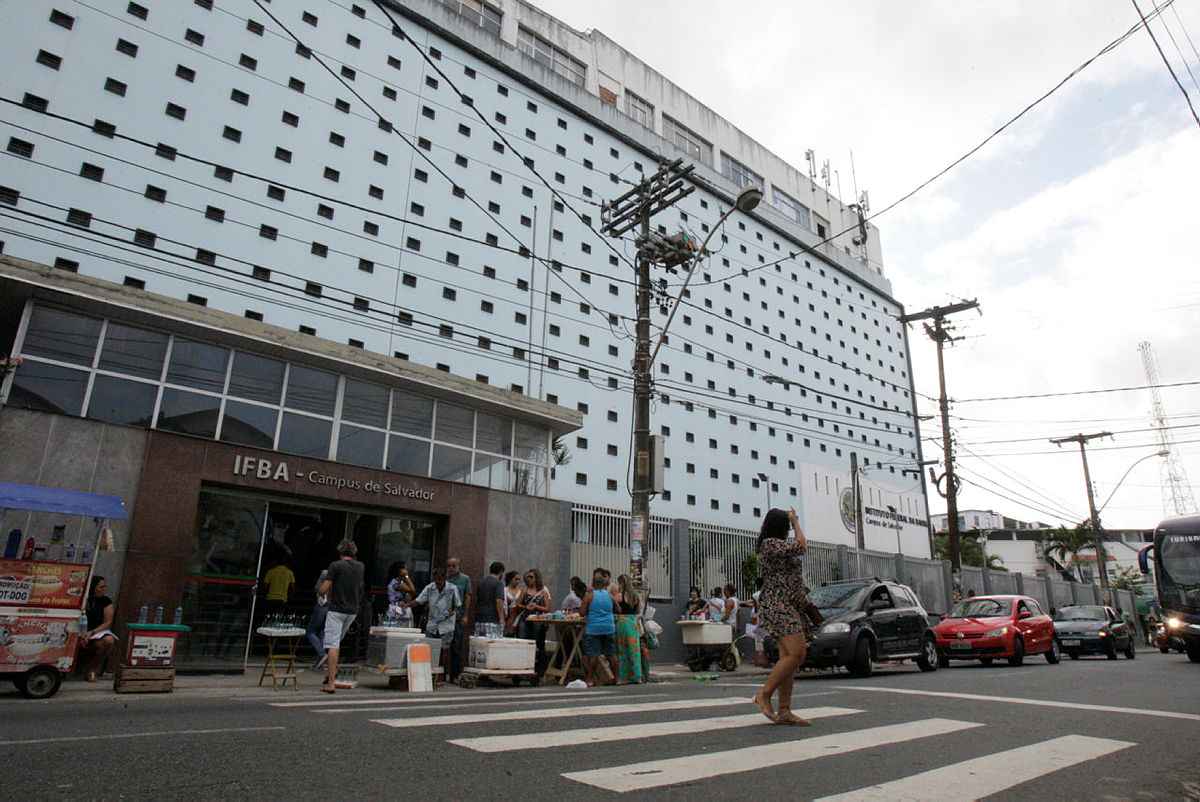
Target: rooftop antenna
(811, 158)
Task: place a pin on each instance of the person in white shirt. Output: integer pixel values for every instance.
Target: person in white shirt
(716, 605)
(574, 599)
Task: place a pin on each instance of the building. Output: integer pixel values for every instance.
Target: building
(1019, 544)
(417, 193)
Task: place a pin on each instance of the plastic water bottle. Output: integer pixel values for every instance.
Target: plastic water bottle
(179, 615)
(158, 611)
(143, 613)
(83, 627)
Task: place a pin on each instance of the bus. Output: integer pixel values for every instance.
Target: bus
(1176, 551)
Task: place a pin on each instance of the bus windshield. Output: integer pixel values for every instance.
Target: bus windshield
(1179, 571)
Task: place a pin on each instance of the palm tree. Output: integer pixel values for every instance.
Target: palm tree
(970, 551)
(1068, 544)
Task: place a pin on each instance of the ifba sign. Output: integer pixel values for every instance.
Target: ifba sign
(282, 472)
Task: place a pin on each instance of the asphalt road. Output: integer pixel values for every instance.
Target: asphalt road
(1091, 728)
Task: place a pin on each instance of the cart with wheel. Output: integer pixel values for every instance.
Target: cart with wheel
(710, 642)
(44, 580)
(495, 658)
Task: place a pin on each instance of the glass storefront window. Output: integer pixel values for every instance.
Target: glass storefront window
(493, 434)
(256, 377)
(63, 336)
(366, 404)
(360, 446)
(198, 365)
(406, 455)
(249, 424)
(306, 436)
(454, 424)
(133, 351)
(48, 388)
(412, 414)
(189, 413)
(311, 390)
(490, 472)
(122, 401)
(451, 464)
(531, 442)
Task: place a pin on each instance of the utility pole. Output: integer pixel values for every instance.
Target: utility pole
(635, 208)
(859, 538)
(940, 334)
(1101, 557)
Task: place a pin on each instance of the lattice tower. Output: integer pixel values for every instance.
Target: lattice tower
(1176, 490)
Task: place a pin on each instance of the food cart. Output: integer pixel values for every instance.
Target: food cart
(44, 583)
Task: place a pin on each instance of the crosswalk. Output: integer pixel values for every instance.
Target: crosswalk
(648, 718)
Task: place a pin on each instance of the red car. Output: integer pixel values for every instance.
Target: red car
(984, 628)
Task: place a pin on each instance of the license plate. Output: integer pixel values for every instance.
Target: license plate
(1071, 642)
(959, 644)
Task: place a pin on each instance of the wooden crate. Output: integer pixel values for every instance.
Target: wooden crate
(138, 679)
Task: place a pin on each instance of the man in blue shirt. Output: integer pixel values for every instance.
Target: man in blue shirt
(444, 604)
(600, 629)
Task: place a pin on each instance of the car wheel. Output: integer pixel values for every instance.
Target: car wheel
(1111, 651)
(1193, 651)
(861, 665)
(987, 661)
(1073, 655)
(1130, 652)
(1018, 655)
(1164, 649)
(1055, 652)
(929, 660)
(943, 661)
(40, 682)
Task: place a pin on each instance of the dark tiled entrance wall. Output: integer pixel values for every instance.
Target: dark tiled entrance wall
(176, 467)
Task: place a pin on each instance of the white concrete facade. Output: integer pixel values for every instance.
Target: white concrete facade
(435, 195)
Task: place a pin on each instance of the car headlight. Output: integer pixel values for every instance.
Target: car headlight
(1103, 633)
(995, 633)
(1174, 622)
(838, 627)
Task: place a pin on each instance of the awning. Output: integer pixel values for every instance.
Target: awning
(67, 502)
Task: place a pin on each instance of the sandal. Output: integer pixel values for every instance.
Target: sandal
(764, 705)
(91, 677)
(788, 717)
(328, 689)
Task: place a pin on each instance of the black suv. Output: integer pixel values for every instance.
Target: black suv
(870, 621)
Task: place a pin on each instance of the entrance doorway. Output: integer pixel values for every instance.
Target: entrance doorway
(239, 538)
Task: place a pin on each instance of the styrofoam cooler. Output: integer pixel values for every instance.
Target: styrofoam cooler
(502, 654)
(706, 633)
(388, 646)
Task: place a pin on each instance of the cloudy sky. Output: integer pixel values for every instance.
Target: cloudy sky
(1076, 228)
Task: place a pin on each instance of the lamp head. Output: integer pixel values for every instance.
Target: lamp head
(748, 198)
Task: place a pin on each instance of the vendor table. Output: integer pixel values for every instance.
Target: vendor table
(281, 648)
(570, 659)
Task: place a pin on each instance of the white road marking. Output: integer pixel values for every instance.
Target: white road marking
(655, 773)
(990, 774)
(563, 712)
(384, 706)
(122, 735)
(1016, 700)
(592, 735)
(443, 698)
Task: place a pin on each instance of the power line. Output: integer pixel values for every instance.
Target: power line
(1072, 393)
(1174, 77)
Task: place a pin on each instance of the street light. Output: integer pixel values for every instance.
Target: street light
(1162, 453)
(762, 477)
(747, 199)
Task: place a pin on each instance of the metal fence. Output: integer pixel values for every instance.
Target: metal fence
(600, 539)
(718, 555)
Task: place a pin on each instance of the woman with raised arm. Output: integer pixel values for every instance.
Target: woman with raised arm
(781, 609)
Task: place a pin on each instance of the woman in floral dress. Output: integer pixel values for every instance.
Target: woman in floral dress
(781, 609)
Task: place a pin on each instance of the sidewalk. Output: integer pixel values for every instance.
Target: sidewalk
(245, 686)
